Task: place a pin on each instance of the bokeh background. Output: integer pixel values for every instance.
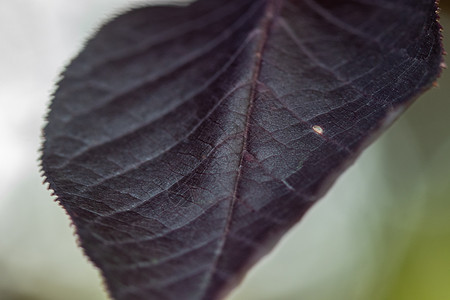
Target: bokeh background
(382, 232)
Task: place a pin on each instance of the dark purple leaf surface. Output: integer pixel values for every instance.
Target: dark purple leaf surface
(183, 141)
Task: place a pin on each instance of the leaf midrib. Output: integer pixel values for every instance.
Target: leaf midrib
(265, 25)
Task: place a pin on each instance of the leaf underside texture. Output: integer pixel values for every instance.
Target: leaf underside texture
(184, 141)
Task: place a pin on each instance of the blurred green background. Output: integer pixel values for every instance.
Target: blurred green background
(382, 232)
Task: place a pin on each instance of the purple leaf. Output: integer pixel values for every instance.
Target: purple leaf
(184, 141)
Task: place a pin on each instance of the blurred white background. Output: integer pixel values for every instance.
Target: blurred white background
(382, 232)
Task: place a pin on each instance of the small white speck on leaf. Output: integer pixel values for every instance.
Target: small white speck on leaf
(317, 129)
